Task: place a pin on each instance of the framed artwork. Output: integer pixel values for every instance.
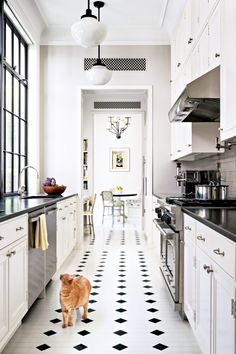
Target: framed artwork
(119, 159)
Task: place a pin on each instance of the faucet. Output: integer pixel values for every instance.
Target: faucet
(22, 188)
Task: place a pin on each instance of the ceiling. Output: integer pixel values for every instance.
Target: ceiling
(128, 22)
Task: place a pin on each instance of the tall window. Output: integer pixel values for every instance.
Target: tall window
(14, 113)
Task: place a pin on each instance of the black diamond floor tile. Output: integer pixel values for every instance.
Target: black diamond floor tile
(98, 275)
(121, 275)
(97, 281)
(83, 262)
(148, 293)
(94, 293)
(154, 320)
(120, 346)
(43, 347)
(55, 320)
(121, 287)
(84, 333)
(121, 301)
(96, 287)
(122, 281)
(121, 310)
(145, 275)
(150, 301)
(58, 310)
(121, 320)
(88, 320)
(100, 270)
(120, 332)
(80, 347)
(160, 346)
(90, 310)
(147, 286)
(143, 270)
(157, 332)
(122, 270)
(146, 281)
(92, 301)
(152, 310)
(121, 293)
(50, 333)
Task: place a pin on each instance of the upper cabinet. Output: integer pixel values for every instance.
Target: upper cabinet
(228, 70)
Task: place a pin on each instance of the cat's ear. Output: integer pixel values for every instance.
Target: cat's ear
(61, 276)
(70, 278)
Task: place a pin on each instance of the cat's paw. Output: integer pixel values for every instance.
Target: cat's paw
(85, 316)
(70, 323)
(64, 326)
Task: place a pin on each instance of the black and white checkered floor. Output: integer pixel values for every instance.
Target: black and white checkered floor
(129, 312)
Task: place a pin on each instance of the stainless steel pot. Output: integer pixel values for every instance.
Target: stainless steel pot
(211, 192)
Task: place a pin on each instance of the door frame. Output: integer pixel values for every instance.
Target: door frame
(148, 90)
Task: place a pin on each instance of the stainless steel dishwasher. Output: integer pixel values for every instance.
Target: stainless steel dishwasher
(41, 264)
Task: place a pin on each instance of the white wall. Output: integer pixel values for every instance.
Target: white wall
(63, 74)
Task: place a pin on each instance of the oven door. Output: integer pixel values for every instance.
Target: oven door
(169, 253)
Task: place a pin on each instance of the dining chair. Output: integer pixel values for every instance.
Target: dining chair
(114, 207)
(89, 212)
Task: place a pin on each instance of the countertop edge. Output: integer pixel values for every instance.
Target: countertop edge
(223, 232)
(45, 202)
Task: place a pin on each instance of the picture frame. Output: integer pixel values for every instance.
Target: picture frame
(119, 159)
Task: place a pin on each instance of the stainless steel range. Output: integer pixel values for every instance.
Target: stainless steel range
(169, 222)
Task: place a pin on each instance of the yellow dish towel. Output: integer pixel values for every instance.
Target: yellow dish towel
(41, 235)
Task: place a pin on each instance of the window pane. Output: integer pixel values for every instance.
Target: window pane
(16, 96)
(8, 140)
(16, 135)
(8, 91)
(22, 60)
(8, 173)
(16, 54)
(22, 102)
(22, 138)
(16, 172)
(22, 163)
(8, 53)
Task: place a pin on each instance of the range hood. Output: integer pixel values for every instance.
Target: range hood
(200, 100)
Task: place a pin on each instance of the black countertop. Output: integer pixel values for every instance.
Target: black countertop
(15, 206)
(222, 220)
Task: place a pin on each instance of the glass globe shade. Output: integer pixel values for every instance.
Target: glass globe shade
(99, 75)
(88, 32)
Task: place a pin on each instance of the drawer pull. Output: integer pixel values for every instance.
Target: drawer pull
(208, 268)
(9, 254)
(64, 218)
(19, 228)
(200, 238)
(188, 228)
(1, 238)
(218, 252)
(13, 253)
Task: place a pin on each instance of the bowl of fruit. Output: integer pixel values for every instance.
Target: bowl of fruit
(51, 187)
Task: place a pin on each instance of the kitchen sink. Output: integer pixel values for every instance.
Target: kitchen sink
(42, 196)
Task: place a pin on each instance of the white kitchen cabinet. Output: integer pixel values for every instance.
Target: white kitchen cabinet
(190, 140)
(214, 28)
(228, 70)
(66, 228)
(211, 307)
(13, 275)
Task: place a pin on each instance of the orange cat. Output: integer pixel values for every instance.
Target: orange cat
(74, 293)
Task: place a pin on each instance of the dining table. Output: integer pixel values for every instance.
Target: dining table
(124, 195)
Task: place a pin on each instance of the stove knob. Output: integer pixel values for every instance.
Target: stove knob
(158, 212)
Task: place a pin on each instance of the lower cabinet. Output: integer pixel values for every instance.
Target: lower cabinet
(209, 289)
(14, 287)
(66, 228)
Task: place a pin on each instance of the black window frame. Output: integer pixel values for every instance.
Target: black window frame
(17, 120)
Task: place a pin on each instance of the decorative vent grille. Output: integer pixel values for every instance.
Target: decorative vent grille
(117, 105)
(118, 64)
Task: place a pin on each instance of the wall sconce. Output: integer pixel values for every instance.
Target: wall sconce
(118, 125)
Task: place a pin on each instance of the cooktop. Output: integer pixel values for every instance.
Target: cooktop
(183, 201)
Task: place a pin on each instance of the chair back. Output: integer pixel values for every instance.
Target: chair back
(107, 197)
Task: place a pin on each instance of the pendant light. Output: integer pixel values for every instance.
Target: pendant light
(89, 32)
(99, 74)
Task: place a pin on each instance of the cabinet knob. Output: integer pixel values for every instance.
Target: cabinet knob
(217, 55)
(220, 129)
(200, 238)
(13, 253)
(9, 254)
(218, 252)
(189, 145)
(208, 268)
(1, 238)
(178, 65)
(64, 218)
(190, 40)
(178, 150)
(187, 228)
(19, 228)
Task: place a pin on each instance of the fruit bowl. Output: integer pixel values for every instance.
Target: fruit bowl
(54, 190)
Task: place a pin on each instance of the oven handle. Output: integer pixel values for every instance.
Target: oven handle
(163, 232)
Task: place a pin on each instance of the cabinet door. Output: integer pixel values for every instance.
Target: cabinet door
(214, 38)
(3, 294)
(189, 282)
(203, 12)
(203, 301)
(228, 72)
(61, 239)
(204, 52)
(223, 321)
(18, 282)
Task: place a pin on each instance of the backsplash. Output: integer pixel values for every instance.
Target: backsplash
(227, 162)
